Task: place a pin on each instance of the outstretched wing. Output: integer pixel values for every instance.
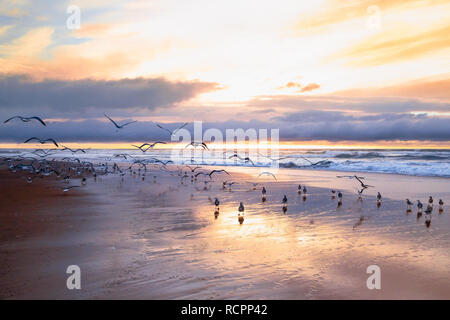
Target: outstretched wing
(15, 117)
(179, 128)
(117, 126)
(54, 142)
(38, 119)
(161, 127)
(128, 123)
(155, 143)
(34, 138)
(269, 174)
(218, 171)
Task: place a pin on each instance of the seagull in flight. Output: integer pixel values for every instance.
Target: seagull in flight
(121, 126)
(41, 141)
(73, 150)
(362, 183)
(268, 174)
(193, 169)
(217, 171)
(174, 131)
(26, 119)
(314, 163)
(197, 144)
(273, 159)
(246, 159)
(150, 146)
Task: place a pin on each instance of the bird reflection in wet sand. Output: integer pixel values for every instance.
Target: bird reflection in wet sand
(360, 221)
(216, 211)
(428, 220)
(241, 213)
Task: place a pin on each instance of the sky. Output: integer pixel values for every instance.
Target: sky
(328, 71)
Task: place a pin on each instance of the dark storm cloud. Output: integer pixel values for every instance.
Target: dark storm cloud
(52, 98)
(309, 125)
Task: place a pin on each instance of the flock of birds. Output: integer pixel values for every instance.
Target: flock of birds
(68, 167)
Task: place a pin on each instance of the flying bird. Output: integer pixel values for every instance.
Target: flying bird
(315, 163)
(268, 174)
(174, 131)
(274, 159)
(73, 150)
(197, 144)
(150, 146)
(218, 171)
(119, 126)
(26, 119)
(362, 183)
(246, 159)
(41, 141)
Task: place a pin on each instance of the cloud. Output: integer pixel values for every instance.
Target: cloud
(391, 46)
(436, 89)
(90, 98)
(307, 125)
(293, 85)
(339, 102)
(310, 87)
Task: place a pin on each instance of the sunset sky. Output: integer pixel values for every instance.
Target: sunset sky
(375, 72)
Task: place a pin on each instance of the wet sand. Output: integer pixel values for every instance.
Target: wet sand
(159, 239)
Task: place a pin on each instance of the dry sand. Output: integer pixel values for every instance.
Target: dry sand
(137, 239)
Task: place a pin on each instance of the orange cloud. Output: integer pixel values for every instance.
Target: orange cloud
(335, 11)
(310, 87)
(433, 89)
(384, 48)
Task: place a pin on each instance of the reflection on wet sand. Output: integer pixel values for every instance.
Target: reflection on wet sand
(179, 243)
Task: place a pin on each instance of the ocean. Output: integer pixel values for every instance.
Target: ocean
(417, 162)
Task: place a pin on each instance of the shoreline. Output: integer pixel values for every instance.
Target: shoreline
(158, 239)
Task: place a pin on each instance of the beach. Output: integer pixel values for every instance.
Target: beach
(158, 238)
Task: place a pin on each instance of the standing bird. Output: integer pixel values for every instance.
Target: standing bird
(241, 213)
(441, 205)
(299, 188)
(333, 194)
(408, 205)
(419, 206)
(378, 199)
(339, 199)
(430, 201)
(284, 201)
(263, 191)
